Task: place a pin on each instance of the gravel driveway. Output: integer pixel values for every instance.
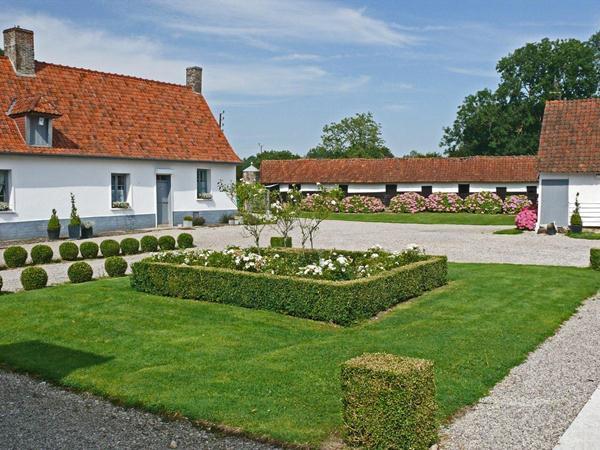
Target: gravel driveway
(36, 415)
(533, 406)
(461, 243)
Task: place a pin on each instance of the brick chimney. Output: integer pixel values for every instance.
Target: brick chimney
(193, 78)
(18, 46)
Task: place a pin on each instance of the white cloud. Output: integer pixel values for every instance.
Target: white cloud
(266, 21)
(473, 72)
(297, 57)
(63, 42)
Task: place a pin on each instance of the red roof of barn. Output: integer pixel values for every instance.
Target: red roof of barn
(570, 138)
(402, 170)
(110, 115)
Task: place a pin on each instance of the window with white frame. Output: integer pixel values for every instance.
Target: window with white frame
(4, 190)
(202, 182)
(119, 185)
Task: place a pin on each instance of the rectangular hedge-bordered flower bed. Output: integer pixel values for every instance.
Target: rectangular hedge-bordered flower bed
(341, 302)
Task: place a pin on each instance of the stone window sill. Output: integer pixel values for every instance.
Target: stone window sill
(10, 211)
(121, 209)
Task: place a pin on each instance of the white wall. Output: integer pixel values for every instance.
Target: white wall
(365, 188)
(40, 183)
(588, 186)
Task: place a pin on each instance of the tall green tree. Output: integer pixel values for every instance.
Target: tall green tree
(508, 121)
(263, 155)
(418, 154)
(358, 136)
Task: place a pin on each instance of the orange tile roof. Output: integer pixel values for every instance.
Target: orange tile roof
(38, 104)
(481, 169)
(110, 115)
(570, 137)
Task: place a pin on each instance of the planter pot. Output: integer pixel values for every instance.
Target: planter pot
(54, 235)
(188, 224)
(87, 233)
(74, 231)
(576, 228)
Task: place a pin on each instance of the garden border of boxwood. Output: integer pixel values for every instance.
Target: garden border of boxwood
(341, 302)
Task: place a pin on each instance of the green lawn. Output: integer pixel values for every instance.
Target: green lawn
(590, 235)
(273, 375)
(429, 218)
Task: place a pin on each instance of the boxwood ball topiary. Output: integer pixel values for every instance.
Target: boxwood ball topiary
(115, 266)
(595, 258)
(130, 246)
(89, 250)
(185, 240)
(34, 278)
(80, 272)
(149, 244)
(388, 402)
(68, 251)
(166, 243)
(15, 256)
(109, 247)
(41, 254)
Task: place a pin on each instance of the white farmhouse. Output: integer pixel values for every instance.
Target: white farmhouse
(135, 153)
(569, 162)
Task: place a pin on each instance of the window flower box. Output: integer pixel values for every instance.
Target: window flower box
(4, 206)
(120, 205)
(204, 196)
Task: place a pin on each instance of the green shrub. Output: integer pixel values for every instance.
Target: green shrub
(279, 241)
(109, 247)
(595, 258)
(166, 243)
(115, 266)
(149, 244)
(198, 221)
(225, 218)
(15, 256)
(80, 272)
(130, 246)
(576, 219)
(185, 240)
(341, 302)
(53, 222)
(89, 250)
(388, 402)
(68, 251)
(188, 218)
(34, 278)
(41, 254)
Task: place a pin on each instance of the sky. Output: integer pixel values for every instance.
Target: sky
(282, 69)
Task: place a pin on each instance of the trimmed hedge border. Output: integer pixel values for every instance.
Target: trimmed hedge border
(595, 258)
(389, 402)
(280, 241)
(341, 302)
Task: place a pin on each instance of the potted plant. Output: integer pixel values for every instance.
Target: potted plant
(53, 226)
(576, 224)
(188, 221)
(75, 223)
(87, 229)
(205, 196)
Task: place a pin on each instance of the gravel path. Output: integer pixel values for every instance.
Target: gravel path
(36, 415)
(533, 406)
(461, 243)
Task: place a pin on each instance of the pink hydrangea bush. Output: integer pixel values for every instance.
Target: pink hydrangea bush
(514, 204)
(444, 202)
(314, 201)
(483, 203)
(526, 219)
(409, 202)
(361, 204)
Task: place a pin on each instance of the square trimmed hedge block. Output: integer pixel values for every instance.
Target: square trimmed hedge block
(389, 402)
(595, 258)
(341, 302)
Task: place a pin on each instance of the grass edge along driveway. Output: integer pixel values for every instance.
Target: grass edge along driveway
(273, 375)
(427, 218)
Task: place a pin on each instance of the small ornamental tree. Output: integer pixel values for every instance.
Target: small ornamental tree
(321, 207)
(75, 220)
(285, 213)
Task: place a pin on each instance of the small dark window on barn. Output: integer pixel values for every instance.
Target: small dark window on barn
(532, 193)
(391, 189)
(501, 191)
(426, 191)
(344, 188)
(463, 190)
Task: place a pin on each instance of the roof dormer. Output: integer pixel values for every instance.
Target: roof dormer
(34, 116)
